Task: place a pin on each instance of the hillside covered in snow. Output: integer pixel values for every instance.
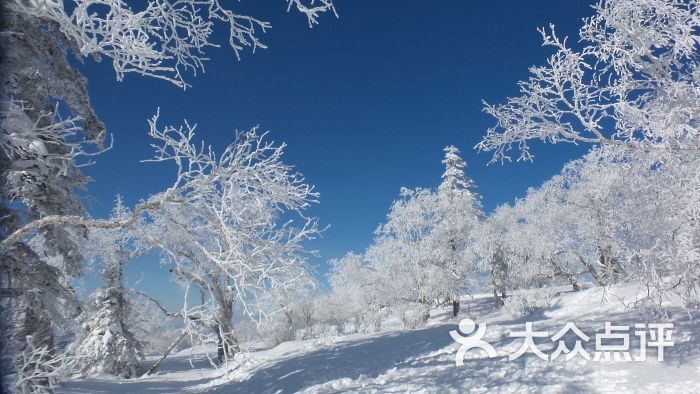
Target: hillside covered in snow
(423, 359)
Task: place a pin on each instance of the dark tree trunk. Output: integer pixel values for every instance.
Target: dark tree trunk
(499, 301)
(455, 307)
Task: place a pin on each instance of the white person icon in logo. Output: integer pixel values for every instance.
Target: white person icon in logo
(467, 326)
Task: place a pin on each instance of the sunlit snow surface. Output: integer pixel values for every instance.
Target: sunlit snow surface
(423, 360)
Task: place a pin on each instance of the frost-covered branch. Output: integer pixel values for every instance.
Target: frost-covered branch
(633, 84)
(161, 39)
(41, 368)
(312, 11)
(75, 221)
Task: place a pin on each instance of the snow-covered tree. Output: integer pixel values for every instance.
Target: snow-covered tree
(401, 247)
(422, 256)
(428, 237)
(453, 179)
(41, 153)
(561, 230)
(459, 214)
(227, 226)
(595, 221)
(640, 219)
(633, 86)
(40, 159)
(495, 253)
(106, 343)
(633, 83)
(357, 291)
(42, 369)
(295, 315)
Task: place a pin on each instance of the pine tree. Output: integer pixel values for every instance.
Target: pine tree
(454, 179)
(40, 158)
(460, 210)
(106, 344)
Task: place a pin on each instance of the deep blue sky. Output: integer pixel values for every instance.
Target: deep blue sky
(365, 103)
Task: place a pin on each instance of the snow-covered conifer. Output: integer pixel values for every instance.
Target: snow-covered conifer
(106, 343)
(459, 214)
(40, 158)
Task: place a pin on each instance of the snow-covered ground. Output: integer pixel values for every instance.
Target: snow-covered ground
(423, 360)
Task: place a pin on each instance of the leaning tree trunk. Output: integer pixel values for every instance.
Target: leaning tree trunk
(167, 352)
(560, 270)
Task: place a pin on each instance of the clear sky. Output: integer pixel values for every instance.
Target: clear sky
(366, 103)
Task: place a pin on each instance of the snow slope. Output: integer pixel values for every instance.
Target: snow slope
(423, 360)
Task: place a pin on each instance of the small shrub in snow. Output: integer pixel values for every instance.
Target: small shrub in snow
(324, 330)
(373, 321)
(414, 316)
(522, 304)
(274, 332)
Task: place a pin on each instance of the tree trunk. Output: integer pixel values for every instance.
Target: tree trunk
(455, 307)
(498, 300)
(227, 344)
(560, 270)
(167, 352)
(574, 285)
